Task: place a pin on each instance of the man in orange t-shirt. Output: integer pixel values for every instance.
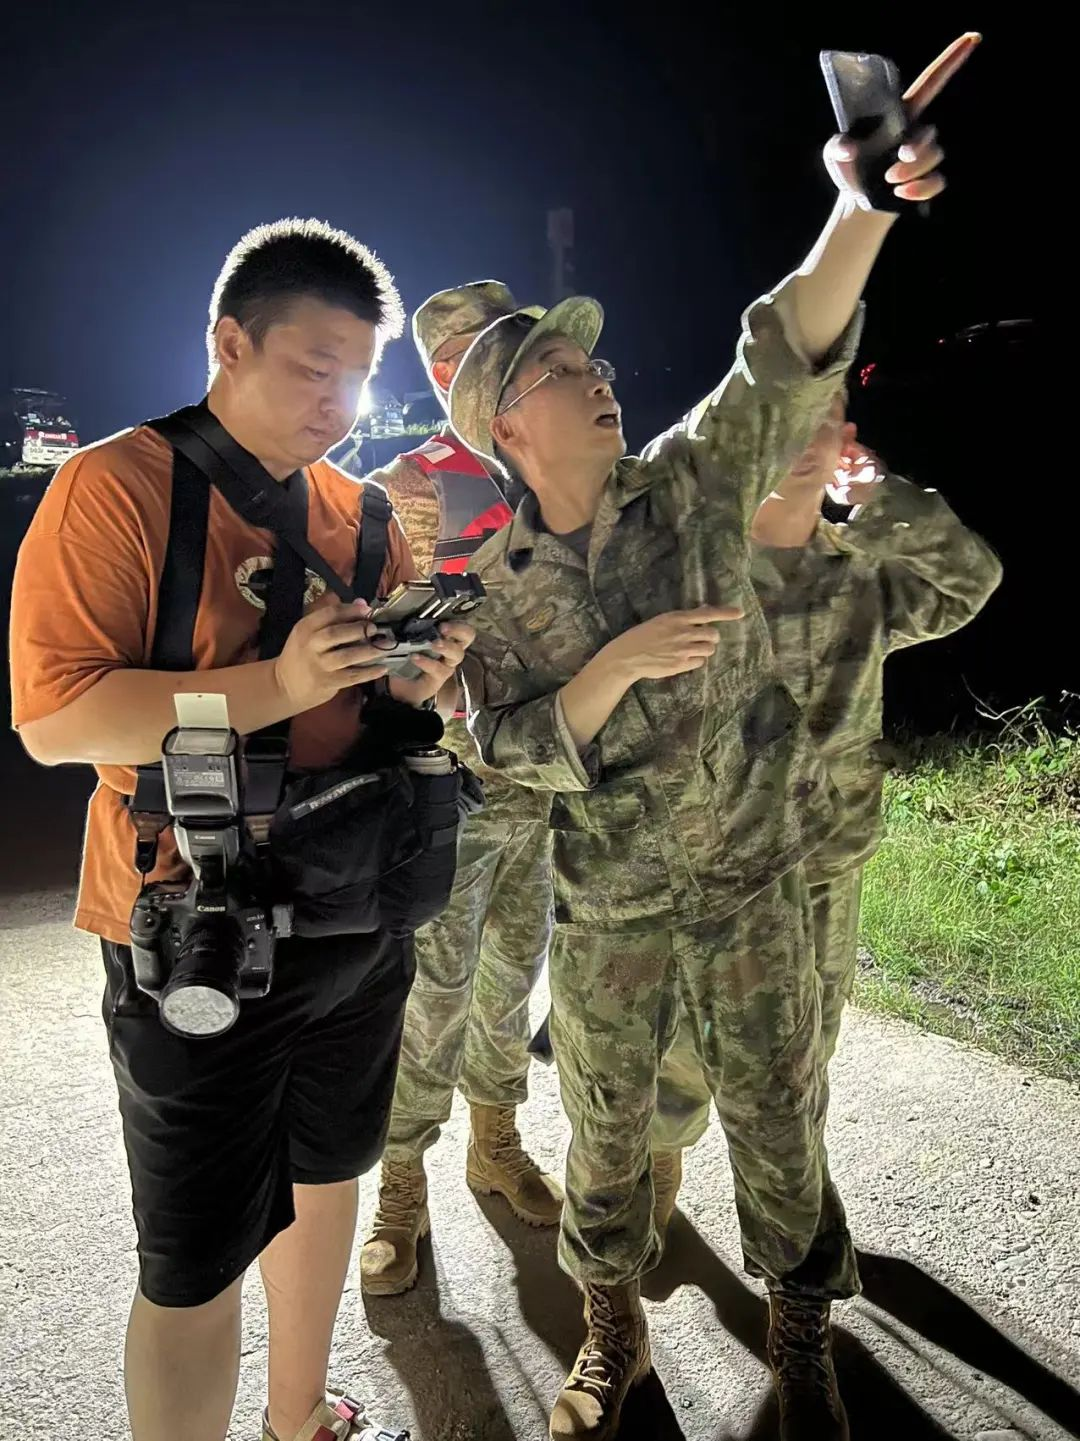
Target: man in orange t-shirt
(246, 1144)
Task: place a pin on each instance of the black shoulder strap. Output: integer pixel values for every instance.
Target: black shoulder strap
(285, 603)
(244, 483)
(254, 494)
(204, 454)
(374, 542)
(461, 547)
(204, 451)
(182, 572)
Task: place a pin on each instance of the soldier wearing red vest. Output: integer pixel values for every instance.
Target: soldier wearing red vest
(467, 1022)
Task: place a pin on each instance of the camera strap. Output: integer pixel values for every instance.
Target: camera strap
(266, 752)
(205, 455)
(253, 493)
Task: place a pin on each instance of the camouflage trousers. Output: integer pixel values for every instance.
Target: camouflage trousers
(683, 1099)
(836, 946)
(467, 1019)
(744, 990)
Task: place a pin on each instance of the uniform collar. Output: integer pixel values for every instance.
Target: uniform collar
(630, 478)
(527, 525)
(522, 533)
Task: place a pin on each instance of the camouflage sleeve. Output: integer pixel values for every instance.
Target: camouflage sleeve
(741, 439)
(522, 735)
(400, 565)
(936, 574)
(416, 505)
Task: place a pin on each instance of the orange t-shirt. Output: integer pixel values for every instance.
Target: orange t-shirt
(85, 599)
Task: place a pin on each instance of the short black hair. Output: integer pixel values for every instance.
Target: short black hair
(273, 265)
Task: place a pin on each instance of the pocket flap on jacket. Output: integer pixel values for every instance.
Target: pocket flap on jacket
(617, 806)
(771, 714)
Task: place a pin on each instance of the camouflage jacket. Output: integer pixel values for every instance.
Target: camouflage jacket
(703, 788)
(417, 506)
(903, 571)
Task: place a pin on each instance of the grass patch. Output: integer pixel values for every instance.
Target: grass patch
(971, 910)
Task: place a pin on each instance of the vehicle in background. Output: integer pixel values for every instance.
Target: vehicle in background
(386, 428)
(36, 428)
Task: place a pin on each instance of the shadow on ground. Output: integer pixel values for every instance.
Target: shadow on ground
(441, 1362)
(914, 1298)
(879, 1407)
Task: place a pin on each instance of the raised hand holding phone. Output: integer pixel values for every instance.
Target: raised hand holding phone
(883, 156)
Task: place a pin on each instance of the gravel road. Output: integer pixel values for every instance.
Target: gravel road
(961, 1176)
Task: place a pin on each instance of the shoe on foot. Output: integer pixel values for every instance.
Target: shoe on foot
(388, 1261)
(614, 1358)
(666, 1180)
(498, 1163)
(338, 1418)
(800, 1355)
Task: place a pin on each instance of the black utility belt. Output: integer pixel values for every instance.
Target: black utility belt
(351, 848)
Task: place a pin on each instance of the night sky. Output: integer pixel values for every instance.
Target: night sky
(142, 145)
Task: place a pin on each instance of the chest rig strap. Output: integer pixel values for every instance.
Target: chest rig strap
(205, 456)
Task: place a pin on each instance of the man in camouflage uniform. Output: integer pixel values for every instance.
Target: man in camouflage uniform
(838, 599)
(613, 672)
(467, 1020)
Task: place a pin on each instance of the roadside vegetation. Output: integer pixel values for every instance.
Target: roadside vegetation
(971, 910)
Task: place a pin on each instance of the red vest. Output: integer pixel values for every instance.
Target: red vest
(471, 505)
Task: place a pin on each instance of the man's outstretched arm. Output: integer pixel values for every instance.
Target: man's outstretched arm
(826, 288)
(798, 341)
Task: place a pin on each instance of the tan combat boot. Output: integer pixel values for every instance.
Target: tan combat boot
(497, 1162)
(800, 1354)
(388, 1264)
(614, 1358)
(666, 1180)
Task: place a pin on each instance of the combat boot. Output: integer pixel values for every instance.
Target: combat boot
(497, 1162)
(388, 1263)
(800, 1354)
(614, 1358)
(666, 1180)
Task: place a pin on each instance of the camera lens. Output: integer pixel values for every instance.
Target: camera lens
(200, 997)
(429, 761)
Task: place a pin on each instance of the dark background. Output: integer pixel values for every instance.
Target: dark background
(687, 142)
(144, 144)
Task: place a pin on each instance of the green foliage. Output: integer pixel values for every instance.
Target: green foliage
(971, 911)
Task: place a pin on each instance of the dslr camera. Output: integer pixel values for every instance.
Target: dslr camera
(202, 947)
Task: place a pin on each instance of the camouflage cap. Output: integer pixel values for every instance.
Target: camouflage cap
(465, 310)
(496, 353)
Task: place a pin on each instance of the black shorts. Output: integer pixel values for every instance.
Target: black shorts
(218, 1129)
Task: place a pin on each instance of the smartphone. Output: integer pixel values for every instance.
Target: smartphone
(868, 103)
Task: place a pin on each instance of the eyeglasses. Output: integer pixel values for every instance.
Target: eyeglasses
(598, 369)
